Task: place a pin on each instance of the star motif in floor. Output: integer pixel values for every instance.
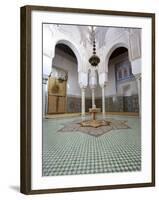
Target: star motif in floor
(95, 131)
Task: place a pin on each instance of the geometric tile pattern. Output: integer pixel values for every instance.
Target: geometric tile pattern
(75, 152)
(112, 124)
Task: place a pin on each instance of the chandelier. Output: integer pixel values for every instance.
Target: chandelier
(94, 60)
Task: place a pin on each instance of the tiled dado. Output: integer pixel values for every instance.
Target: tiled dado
(120, 104)
(112, 104)
(74, 104)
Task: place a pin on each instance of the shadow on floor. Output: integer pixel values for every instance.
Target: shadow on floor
(15, 188)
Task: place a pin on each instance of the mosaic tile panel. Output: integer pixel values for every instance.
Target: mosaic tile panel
(118, 104)
(88, 104)
(73, 104)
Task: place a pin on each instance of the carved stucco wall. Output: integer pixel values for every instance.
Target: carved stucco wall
(77, 38)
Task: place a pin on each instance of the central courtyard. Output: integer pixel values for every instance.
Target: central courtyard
(77, 152)
(91, 99)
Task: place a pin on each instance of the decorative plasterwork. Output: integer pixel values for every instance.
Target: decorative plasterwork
(135, 45)
(78, 38)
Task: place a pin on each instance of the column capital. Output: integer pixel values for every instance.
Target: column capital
(83, 87)
(103, 79)
(82, 79)
(92, 86)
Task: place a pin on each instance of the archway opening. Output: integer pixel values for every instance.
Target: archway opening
(63, 88)
(122, 89)
(118, 51)
(65, 49)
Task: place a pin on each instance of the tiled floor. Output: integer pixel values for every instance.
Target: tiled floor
(70, 153)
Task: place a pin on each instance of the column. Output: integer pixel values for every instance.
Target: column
(45, 95)
(103, 101)
(83, 103)
(93, 98)
(103, 80)
(83, 81)
(138, 79)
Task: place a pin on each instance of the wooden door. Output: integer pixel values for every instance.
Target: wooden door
(52, 104)
(56, 96)
(61, 104)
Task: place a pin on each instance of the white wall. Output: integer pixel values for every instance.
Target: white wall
(127, 88)
(64, 62)
(111, 86)
(135, 64)
(10, 133)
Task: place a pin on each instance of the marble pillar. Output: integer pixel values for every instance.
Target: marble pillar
(83, 103)
(93, 98)
(138, 80)
(103, 101)
(45, 95)
(103, 80)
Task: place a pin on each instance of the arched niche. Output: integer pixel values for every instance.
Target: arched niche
(64, 63)
(122, 87)
(113, 48)
(74, 48)
(120, 76)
